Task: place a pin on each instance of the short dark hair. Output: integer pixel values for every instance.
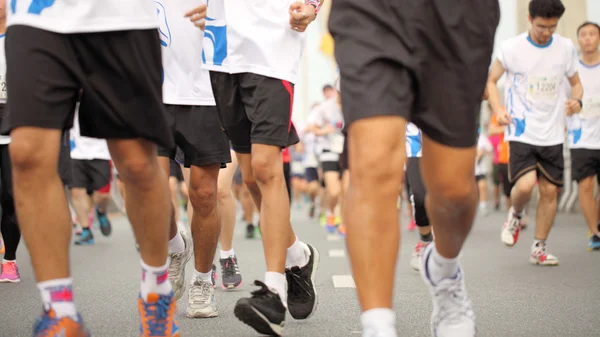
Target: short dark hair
(588, 23)
(546, 9)
(327, 86)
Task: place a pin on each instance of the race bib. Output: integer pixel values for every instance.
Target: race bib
(337, 143)
(3, 94)
(591, 107)
(542, 88)
(311, 160)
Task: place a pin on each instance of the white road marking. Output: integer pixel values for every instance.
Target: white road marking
(333, 237)
(337, 253)
(343, 281)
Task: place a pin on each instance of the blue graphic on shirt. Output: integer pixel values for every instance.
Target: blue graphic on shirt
(518, 124)
(13, 6)
(73, 146)
(164, 31)
(36, 6)
(216, 32)
(575, 133)
(413, 140)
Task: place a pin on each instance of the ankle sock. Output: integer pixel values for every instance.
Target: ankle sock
(440, 267)
(155, 280)
(57, 295)
(276, 282)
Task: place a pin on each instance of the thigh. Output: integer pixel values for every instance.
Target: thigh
(232, 114)
(200, 136)
(100, 173)
(268, 102)
(122, 89)
(583, 164)
(551, 163)
(44, 79)
(373, 50)
(455, 44)
(522, 160)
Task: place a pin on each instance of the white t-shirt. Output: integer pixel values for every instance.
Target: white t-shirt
(483, 144)
(584, 127)
(534, 88)
(82, 16)
(3, 139)
(329, 112)
(248, 36)
(86, 148)
(184, 80)
(414, 147)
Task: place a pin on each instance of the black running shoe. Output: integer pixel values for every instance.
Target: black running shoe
(302, 292)
(250, 231)
(264, 311)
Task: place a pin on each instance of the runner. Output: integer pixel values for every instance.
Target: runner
(484, 148)
(397, 59)
(254, 93)
(496, 131)
(111, 52)
(536, 63)
(584, 130)
(193, 117)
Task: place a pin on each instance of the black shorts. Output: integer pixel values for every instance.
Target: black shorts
(479, 177)
(433, 54)
(331, 166)
(175, 170)
(254, 109)
(503, 176)
(120, 73)
(496, 174)
(90, 174)
(311, 174)
(198, 134)
(585, 163)
(546, 160)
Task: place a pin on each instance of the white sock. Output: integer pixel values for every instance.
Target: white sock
(58, 295)
(7, 261)
(276, 282)
(297, 255)
(176, 244)
(205, 277)
(225, 254)
(482, 204)
(440, 267)
(379, 322)
(155, 280)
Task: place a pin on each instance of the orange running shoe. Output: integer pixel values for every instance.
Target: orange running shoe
(158, 316)
(48, 325)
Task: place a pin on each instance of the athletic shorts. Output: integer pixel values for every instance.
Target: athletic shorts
(120, 73)
(503, 176)
(496, 174)
(344, 164)
(331, 166)
(92, 175)
(585, 163)
(254, 109)
(311, 174)
(546, 160)
(479, 177)
(175, 170)
(198, 135)
(425, 61)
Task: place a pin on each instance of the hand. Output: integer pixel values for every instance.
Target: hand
(572, 106)
(197, 16)
(301, 15)
(503, 117)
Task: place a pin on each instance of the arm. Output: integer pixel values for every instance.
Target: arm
(573, 105)
(495, 129)
(496, 72)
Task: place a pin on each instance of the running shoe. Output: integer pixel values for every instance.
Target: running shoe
(178, 263)
(540, 256)
(10, 273)
(230, 271)
(48, 325)
(105, 225)
(157, 316)
(201, 300)
(264, 311)
(594, 242)
(415, 261)
(85, 238)
(511, 229)
(412, 225)
(250, 231)
(302, 291)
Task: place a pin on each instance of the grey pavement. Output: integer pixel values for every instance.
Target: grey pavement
(511, 297)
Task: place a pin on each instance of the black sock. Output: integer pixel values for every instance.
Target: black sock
(598, 226)
(426, 238)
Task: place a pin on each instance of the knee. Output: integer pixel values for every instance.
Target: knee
(586, 185)
(548, 192)
(454, 197)
(380, 168)
(265, 168)
(203, 198)
(26, 156)
(137, 170)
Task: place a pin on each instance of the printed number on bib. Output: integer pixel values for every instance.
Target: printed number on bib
(591, 107)
(3, 92)
(337, 143)
(542, 88)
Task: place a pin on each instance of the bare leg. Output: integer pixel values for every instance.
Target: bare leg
(588, 204)
(227, 205)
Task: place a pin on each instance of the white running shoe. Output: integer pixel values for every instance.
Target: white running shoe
(540, 256)
(453, 314)
(511, 229)
(178, 262)
(415, 261)
(201, 300)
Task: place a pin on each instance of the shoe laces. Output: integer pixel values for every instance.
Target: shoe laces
(296, 285)
(230, 267)
(156, 314)
(201, 291)
(452, 300)
(9, 268)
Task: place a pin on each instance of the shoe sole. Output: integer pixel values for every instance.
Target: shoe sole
(231, 286)
(191, 313)
(86, 243)
(257, 321)
(10, 281)
(535, 262)
(313, 275)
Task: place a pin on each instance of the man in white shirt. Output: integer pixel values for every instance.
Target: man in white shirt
(536, 63)
(584, 130)
(254, 54)
(193, 118)
(110, 49)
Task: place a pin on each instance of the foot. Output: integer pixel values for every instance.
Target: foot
(201, 300)
(10, 273)
(594, 242)
(511, 229)
(453, 314)
(412, 225)
(415, 261)
(85, 238)
(105, 225)
(540, 256)
(48, 325)
(178, 263)
(230, 271)
(302, 292)
(158, 316)
(342, 230)
(250, 231)
(264, 311)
